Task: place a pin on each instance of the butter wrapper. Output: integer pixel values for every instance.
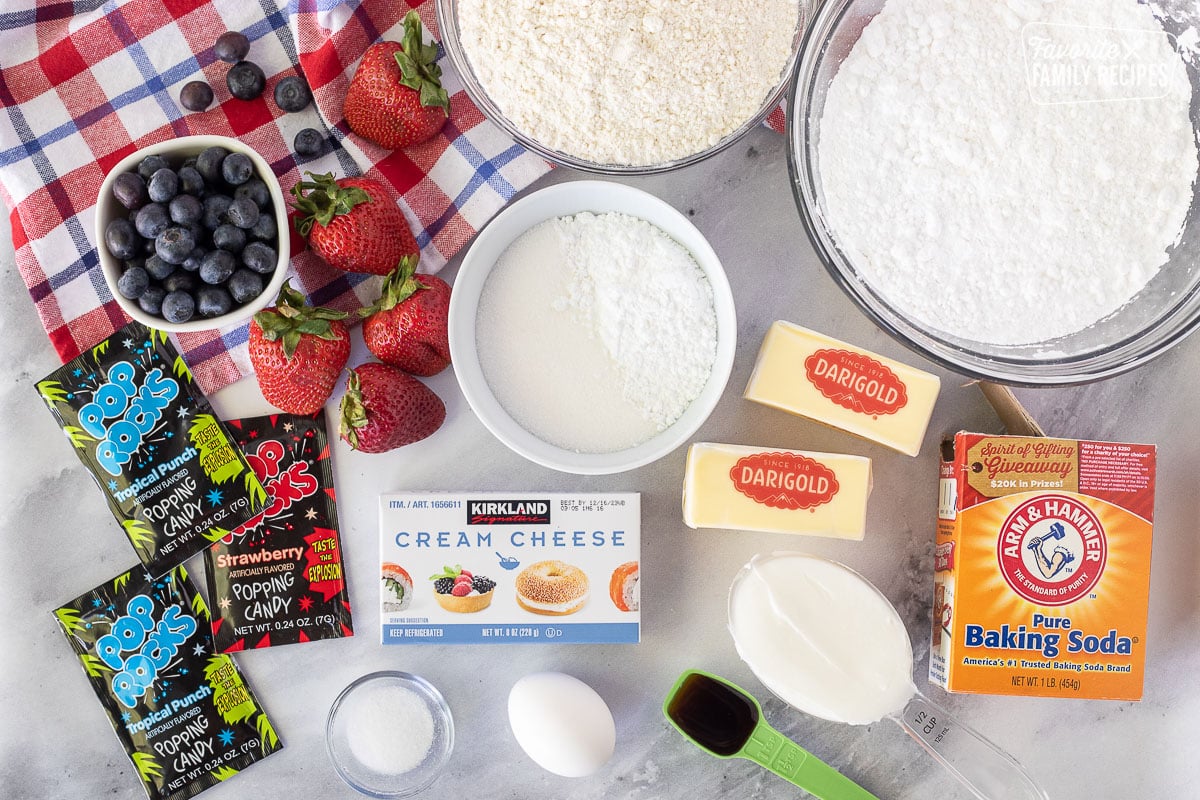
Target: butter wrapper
(497, 568)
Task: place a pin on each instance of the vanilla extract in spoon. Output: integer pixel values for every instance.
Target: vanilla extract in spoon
(726, 721)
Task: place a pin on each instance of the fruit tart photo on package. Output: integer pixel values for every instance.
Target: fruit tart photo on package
(279, 577)
(183, 713)
(148, 435)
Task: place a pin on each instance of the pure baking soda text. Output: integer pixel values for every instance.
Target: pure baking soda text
(1042, 567)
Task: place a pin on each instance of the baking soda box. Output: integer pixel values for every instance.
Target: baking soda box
(1042, 567)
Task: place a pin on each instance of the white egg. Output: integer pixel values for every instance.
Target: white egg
(561, 723)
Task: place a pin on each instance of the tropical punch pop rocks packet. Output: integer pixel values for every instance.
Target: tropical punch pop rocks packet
(165, 463)
(182, 712)
(278, 578)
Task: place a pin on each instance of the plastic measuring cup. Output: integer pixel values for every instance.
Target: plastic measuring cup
(827, 642)
(726, 721)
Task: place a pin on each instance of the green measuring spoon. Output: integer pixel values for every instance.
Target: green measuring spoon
(726, 721)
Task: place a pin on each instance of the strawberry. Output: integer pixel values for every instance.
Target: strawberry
(384, 409)
(396, 97)
(297, 352)
(353, 223)
(407, 327)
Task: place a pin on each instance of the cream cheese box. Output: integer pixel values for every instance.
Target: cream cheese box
(488, 567)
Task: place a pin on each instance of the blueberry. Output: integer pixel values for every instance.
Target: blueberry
(245, 80)
(243, 213)
(191, 181)
(180, 281)
(147, 244)
(229, 237)
(174, 245)
(130, 190)
(231, 47)
(150, 165)
(186, 209)
(237, 168)
(196, 96)
(308, 142)
(292, 94)
(157, 268)
(244, 286)
(265, 229)
(151, 220)
(213, 301)
(152, 299)
(133, 262)
(178, 307)
(163, 185)
(215, 206)
(208, 163)
(194, 259)
(260, 257)
(256, 190)
(217, 266)
(121, 239)
(133, 283)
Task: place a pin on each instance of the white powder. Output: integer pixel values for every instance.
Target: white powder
(628, 81)
(389, 729)
(595, 332)
(976, 203)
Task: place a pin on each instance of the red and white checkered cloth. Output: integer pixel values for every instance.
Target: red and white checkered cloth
(82, 89)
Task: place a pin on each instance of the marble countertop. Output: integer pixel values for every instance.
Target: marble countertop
(59, 540)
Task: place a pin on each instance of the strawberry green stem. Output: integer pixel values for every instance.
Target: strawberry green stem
(399, 285)
(354, 413)
(291, 318)
(418, 65)
(324, 200)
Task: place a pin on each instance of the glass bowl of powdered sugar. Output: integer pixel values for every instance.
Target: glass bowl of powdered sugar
(390, 734)
(625, 86)
(1008, 188)
(592, 327)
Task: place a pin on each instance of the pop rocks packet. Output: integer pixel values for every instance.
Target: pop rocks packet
(165, 463)
(278, 578)
(182, 712)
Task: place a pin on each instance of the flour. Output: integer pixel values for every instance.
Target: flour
(1003, 207)
(596, 331)
(628, 81)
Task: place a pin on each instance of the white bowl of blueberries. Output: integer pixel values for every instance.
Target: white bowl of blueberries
(192, 233)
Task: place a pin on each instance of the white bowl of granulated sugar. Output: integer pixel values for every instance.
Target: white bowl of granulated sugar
(592, 327)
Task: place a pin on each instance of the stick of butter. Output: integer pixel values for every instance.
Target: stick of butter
(774, 490)
(846, 387)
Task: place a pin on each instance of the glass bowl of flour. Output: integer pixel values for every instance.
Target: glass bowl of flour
(592, 328)
(1008, 188)
(627, 87)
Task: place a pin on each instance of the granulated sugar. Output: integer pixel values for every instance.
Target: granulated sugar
(388, 728)
(595, 332)
(628, 81)
(1007, 204)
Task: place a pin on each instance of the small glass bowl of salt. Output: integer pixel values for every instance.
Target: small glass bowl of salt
(389, 734)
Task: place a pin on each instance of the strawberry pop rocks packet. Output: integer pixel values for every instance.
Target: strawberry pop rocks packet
(165, 463)
(279, 577)
(183, 713)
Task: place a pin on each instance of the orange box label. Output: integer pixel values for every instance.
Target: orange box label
(1042, 567)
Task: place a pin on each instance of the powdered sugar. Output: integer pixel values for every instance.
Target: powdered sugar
(596, 331)
(628, 81)
(1012, 201)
